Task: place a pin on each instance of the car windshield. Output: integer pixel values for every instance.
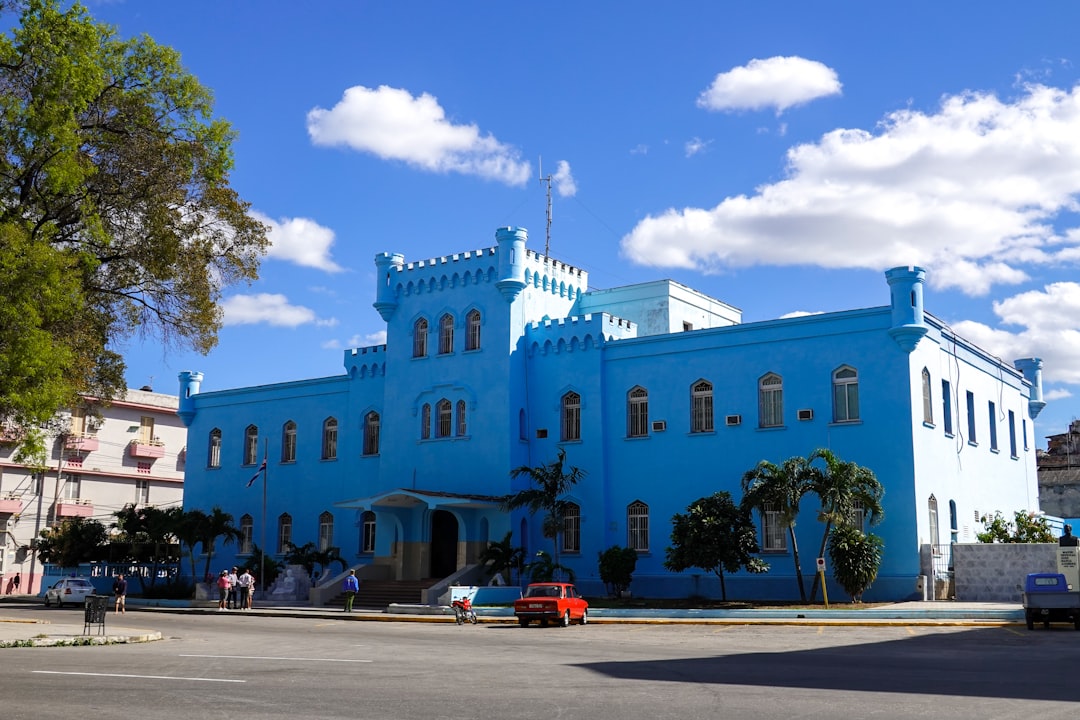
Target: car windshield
(543, 591)
(79, 583)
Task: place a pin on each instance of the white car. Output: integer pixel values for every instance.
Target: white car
(68, 590)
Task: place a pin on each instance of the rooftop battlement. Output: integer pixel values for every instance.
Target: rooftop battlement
(367, 361)
(597, 328)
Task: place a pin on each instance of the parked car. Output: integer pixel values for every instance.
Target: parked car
(68, 590)
(549, 602)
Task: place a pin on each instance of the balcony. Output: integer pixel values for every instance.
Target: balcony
(82, 443)
(143, 449)
(10, 505)
(9, 434)
(77, 507)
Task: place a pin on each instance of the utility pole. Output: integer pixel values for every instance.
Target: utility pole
(546, 179)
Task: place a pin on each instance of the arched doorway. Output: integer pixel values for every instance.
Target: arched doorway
(444, 542)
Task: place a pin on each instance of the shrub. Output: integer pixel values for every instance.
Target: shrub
(855, 558)
(617, 566)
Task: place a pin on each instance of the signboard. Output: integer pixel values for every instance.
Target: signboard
(821, 564)
(1069, 566)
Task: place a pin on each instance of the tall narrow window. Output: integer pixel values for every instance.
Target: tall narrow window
(419, 343)
(460, 420)
(571, 416)
(247, 533)
(637, 412)
(927, 399)
(472, 330)
(773, 537)
(845, 395)
(146, 430)
(637, 526)
(1012, 434)
(284, 532)
(372, 428)
(444, 414)
(858, 516)
(367, 533)
(571, 538)
(329, 439)
(771, 401)
(993, 426)
(446, 334)
(971, 416)
(933, 523)
(1023, 432)
(288, 442)
(946, 406)
(213, 452)
(142, 492)
(73, 487)
(326, 531)
(701, 407)
(78, 422)
(425, 422)
(251, 445)
(954, 530)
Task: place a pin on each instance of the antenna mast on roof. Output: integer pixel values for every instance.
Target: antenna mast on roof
(547, 179)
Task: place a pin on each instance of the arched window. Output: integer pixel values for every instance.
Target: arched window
(701, 407)
(773, 538)
(419, 343)
(933, 525)
(367, 533)
(460, 420)
(927, 399)
(425, 422)
(326, 531)
(247, 531)
(329, 439)
(213, 453)
(571, 539)
(288, 442)
(571, 416)
(771, 401)
(637, 412)
(251, 445)
(372, 427)
(445, 417)
(446, 334)
(472, 330)
(845, 395)
(954, 529)
(637, 526)
(284, 532)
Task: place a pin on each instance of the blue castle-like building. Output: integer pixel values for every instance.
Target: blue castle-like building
(499, 358)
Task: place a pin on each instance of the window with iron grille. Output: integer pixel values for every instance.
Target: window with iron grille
(247, 532)
(284, 527)
(773, 535)
(288, 442)
(213, 452)
(367, 533)
(446, 334)
(372, 429)
(445, 418)
(472, 330)
(701, 407)
(927, 399)
(251, 445)
(571, 539)
(460, 424)
(326, 531)
(420, 333)
(771, 401)
(425, 422)
(637, 526)
(637, 412)
(571, 416)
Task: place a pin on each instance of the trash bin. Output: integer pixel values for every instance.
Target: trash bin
(94, 613)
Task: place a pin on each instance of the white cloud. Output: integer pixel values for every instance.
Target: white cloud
(800, 313)
(776, 82)
(696, 145)
(375, 338)
(640, 149)
(271, 309)
(300, 241)
(971, 192)
(564, 180)
(393, 125)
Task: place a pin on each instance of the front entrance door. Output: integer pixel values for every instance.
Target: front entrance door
(444, 541)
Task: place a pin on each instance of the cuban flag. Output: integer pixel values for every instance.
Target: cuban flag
(258, 472)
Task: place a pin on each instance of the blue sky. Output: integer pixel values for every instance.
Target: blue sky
(778, 156)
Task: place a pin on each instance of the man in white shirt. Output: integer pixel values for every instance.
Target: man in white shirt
(234, 587)
(246, 584)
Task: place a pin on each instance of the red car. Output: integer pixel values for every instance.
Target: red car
(549, 602)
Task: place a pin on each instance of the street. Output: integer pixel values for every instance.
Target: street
(230, 665)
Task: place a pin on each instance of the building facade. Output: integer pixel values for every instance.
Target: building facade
(500, 358)
(106, 456)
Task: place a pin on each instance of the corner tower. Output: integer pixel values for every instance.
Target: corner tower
(511, 242)
(387, 265)
(189, 388)
(1032, 369)
(906, 288)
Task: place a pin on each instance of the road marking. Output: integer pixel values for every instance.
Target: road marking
(910, 631)
(140, 677)
(1014, 632)
(821, 630)
(271, 657)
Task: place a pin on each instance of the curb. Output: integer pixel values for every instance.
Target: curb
(81, 640)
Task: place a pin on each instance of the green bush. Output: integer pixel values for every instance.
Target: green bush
(617, 565)
(855, 558)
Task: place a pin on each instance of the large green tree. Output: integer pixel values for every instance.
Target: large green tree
(212, 526)
(548, 484)
(73, 542)
(116, 213)
(715, 535)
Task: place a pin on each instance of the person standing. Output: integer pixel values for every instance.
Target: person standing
(119, 589)
(223, 589)
(245, 583)
(17, 580)
(251, 592)
(351, 586)
(234, 586)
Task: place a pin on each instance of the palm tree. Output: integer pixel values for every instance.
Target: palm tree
(843, 488)
(502, 557)
(308, 556)
(548, 484)
(780, 489)
(190, 530)
(218, 525)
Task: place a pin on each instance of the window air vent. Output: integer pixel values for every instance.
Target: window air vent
(806, 414)
(542, 433)
(659, 425)
(733, 420)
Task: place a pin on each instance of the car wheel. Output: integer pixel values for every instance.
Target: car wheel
(585, 617)
(544, 623)
(566, 619)
(48, 602)
(1046, 624)
(1030, 620)
(523, 622)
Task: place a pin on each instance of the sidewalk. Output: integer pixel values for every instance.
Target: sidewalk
(136, 623)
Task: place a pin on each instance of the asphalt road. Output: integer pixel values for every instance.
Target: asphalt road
(236, 666)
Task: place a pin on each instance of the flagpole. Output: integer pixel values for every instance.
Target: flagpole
(262, 555)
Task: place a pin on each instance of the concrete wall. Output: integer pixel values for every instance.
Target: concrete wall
(990, 572)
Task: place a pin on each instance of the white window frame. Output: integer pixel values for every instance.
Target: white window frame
(773, 530)
(288, 442)
(142, 492)
(326, 531)
(927, 398)
(247, 534)
(446, 334)
(72, 486)
(213, 451)
(845, 381)
(251, 445)
(701, 407)
(329, 438)
(367, 533)
(420, 338)
(372, 433)
(472, 330)
(637, 412)
(444, 422)
(637, 526)
(771, 401)
(284, 525)
(571, 531)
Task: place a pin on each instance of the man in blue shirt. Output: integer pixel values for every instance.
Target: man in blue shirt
(351, 586)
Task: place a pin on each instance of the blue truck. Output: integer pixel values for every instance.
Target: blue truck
(1048, 598)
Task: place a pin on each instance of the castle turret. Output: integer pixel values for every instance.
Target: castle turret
(511, 260)
(386, 265)
(1032, 369)
(189, 388)
(906, 287)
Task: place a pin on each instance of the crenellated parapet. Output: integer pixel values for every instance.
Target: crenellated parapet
(552, 276)
(402, 279)
(365, 362)
(580, 332)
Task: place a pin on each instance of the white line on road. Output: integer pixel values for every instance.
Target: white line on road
(141, 677)
(270, 657)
